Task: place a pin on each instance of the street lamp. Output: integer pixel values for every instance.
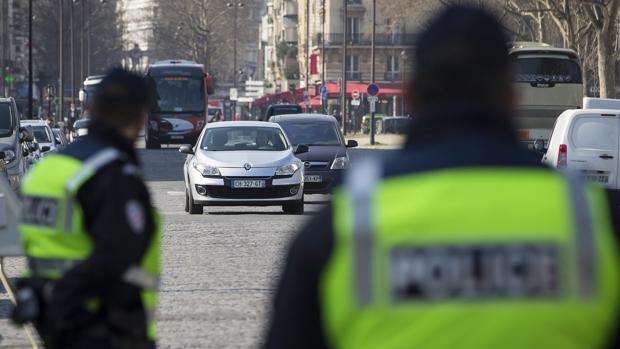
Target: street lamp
(235, 5)
(343, 85)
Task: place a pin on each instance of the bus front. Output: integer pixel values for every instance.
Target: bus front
(178, 104)
(548, 81)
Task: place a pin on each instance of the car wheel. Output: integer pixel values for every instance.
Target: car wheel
(192, 207)
(150, 142)
(186, 201)
(296, 208)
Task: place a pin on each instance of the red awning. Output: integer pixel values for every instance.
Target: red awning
(385, 89)
(314, 102)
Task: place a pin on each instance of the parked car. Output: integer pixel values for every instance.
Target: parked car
(281, 109)
(80, 128)
(396, 124)
(327, 155)
(11, 139)
(43, 134)
(238, 163)
(60, 137)
(587, 141)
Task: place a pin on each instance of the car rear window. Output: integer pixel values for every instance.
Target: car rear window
(595, 133)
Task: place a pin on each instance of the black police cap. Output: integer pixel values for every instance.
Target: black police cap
(120, 86)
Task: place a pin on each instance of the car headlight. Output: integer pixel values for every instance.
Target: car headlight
(287, 170)
(9, 156)
(206, 170)
(340, 163)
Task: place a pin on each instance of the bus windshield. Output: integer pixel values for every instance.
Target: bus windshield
(178, 94)
(547, 70)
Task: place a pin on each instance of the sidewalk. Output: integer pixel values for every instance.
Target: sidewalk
(382, 141)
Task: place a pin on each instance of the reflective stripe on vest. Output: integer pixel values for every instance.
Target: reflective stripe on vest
(89, 168)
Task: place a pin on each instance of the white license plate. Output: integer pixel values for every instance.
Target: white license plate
(176, 137)
(603, 179)
(313, 179)
(248, 184)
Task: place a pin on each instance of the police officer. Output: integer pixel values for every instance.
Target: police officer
(463, 240)
(90, 233)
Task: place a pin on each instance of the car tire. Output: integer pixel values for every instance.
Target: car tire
(295, 208)
(193, 208)
(186, 201)
(150, 142)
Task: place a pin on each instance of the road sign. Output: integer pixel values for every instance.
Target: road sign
(355, 94)
(373, 89)
(323, 90)
(234, 94)
(373, 101)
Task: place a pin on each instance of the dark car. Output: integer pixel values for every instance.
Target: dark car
(281, 109)
(328, 155)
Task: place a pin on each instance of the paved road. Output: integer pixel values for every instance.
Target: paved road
(219, 268)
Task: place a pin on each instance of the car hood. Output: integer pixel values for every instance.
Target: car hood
(236, 159)
(323, 153)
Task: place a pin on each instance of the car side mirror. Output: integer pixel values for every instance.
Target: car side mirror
(352, 143)
(301, 148)
(57, 140)
(34, 147)
(45, 148)
(186, 149)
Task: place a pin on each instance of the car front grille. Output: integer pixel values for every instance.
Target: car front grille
(224, 192)
(316, 165)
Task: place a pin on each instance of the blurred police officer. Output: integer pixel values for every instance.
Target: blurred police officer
(90, 233)
(463, 240)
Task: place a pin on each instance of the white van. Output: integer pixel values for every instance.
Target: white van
(588, 141)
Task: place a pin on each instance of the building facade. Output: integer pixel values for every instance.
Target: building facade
(136, 18)
(13, 46)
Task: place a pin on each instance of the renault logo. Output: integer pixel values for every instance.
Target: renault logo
(247, 166)
(307, 164)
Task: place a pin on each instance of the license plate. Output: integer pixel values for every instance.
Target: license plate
(604, 179)
(176, 137)
(248, 184)
(313, 179)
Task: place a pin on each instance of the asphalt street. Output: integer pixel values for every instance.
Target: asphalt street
(219, 268)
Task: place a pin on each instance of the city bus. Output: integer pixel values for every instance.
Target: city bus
(548, 81)
(179, 96)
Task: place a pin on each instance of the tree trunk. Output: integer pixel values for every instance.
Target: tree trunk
(606, 67)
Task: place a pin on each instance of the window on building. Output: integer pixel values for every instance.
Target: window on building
(353, 27)
(392, 64)
(353, 63)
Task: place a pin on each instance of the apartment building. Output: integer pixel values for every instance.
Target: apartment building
(13, 45)
(279, 37)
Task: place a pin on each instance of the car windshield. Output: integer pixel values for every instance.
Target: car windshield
(81, 123)
(545, 70)
(311, 133)
(244, 138)
(41, 134)
(6, 121)
(178, 94)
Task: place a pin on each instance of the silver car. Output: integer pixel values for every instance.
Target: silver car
(243, 163)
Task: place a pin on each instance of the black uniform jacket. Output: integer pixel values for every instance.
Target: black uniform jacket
(439, 141)
(117, 214)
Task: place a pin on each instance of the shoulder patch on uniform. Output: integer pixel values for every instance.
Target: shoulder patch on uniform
(136, 217)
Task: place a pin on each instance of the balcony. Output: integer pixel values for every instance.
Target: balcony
(354, 75)
(358, 39)
(392, 76)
